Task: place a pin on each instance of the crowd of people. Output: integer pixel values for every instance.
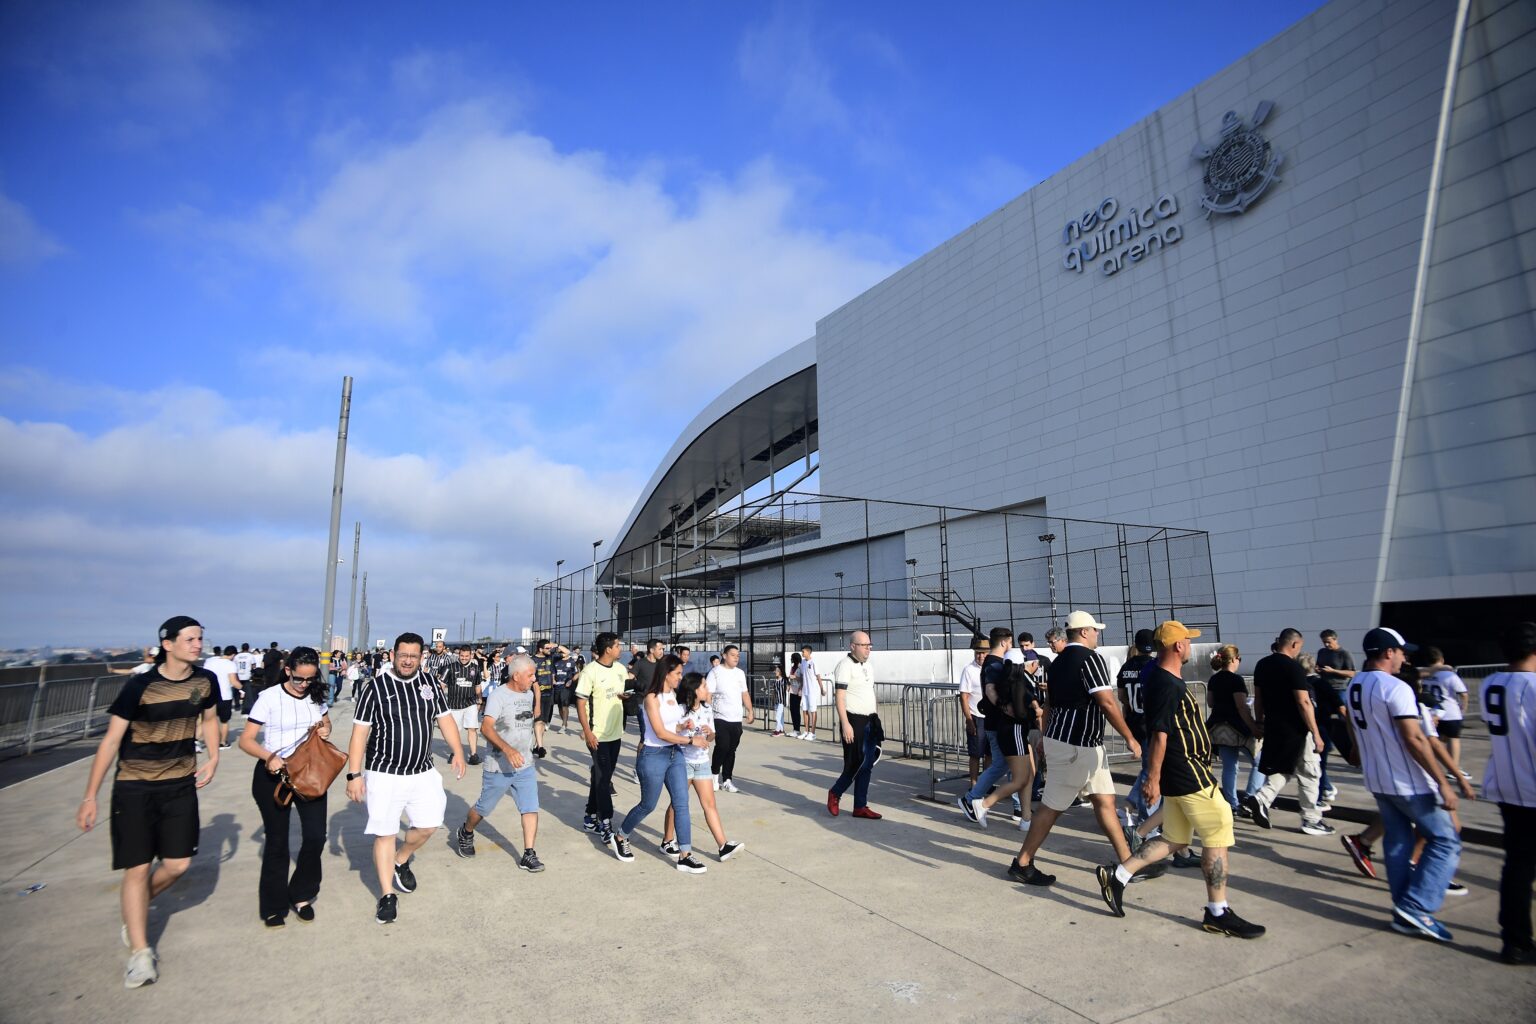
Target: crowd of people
(1035, 722)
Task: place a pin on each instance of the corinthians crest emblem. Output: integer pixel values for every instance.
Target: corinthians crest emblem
(1241, 167)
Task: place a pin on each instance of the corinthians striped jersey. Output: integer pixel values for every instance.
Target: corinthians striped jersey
(1073, 679)
(400, 714)
(1509, 708)
(1170, 709)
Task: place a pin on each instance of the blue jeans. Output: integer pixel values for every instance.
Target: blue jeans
(658, 767)
(1420, 889)
(994, 771)
(1134, 798)
(858, 761)
(1229, 759)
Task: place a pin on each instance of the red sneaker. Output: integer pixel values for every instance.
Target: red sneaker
(865, 812)
(832, 803)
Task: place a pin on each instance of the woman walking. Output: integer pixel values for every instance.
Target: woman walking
(698, 721)
(661, 765)
(282, 717)
(1231, 726)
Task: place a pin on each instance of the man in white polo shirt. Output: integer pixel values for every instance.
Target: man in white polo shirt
(731, 703)
(1400, 772)
(853, 684)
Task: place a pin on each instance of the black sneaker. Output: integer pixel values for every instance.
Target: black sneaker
(691, 864)
(730, 850)
(605, 833)
(671, 848)
(1156, 869)
(967, 807)
(539, 752)
(474, 758)
(621, 848)
(1111, 888)
(1257, 811)
(463, 843)
(1028, 874)
(589, 823)
(1516, 954)
(1230, 924)
(1185, 859)
(530, 862)
(405, 878)
(386, 912)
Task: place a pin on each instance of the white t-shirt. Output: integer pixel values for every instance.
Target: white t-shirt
(810, 689)
(693, 724)
(1445, 689)
(970, 682)
(1376, 701)
(284, 718)
(243, 662)
(727, 690)
(1509, 708)
(671, 714)
(141, 667)
(222, 669)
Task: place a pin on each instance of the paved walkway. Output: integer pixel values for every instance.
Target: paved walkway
(820, 919)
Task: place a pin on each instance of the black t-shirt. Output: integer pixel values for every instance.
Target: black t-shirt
(1225, 688)
(1170, 709)
(1002, 676)
(162, 715)
(1130, 680)
(1325, 698)
(459, 682)
(1334, 659)
(272, 667)
(1276, 679)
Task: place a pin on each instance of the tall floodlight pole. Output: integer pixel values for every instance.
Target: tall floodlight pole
(363, 620)
(357, 543)
(496, 624)
(474, 626)
(329, 613)
(1050, 570)
(595, 545)
(556, 581)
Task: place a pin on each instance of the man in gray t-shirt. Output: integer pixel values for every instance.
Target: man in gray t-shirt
(507, 725)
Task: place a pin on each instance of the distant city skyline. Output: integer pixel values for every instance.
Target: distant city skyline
(539, 237)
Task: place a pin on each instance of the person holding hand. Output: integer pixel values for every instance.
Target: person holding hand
(281, 718)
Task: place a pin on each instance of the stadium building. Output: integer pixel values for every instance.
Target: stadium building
(1288, 319)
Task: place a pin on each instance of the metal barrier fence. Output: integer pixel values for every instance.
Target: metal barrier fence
(54, 710)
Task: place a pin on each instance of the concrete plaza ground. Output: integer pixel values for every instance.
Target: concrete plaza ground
(820, 919)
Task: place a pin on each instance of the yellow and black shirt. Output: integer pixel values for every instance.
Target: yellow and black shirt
(1170, 709)
(162, 716)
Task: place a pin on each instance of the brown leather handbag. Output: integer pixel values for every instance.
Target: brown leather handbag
(309, 771)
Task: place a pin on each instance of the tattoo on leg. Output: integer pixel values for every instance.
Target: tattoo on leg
(1216, 873)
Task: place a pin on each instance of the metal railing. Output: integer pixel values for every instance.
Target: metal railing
(54, 709)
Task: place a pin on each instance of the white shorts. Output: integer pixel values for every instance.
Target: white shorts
(467, 718)
(421, 798)
(1074, 770)
(808, 704)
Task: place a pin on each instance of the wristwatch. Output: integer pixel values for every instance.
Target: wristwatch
(354, 775)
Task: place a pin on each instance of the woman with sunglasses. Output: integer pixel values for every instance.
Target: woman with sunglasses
(282, 717)
(661, 765)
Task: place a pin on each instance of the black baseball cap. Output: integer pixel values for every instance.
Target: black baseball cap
(1381, 639)
(1144, 641)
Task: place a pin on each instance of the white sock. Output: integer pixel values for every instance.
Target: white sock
(1217, 909)
(1121, 875)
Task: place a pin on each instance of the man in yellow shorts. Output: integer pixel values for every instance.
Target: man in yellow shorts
(1178, 770)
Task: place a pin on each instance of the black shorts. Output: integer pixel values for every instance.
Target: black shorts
(565, 696)
(1449, 730)
(226, 709)
(546, 705)
(976, 742)
(1013, 739)
(155, 819)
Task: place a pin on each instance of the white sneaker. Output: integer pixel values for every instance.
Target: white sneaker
(1331, 793)
(729, 786)
(1023, 824)
(811, 737)
(980, 808)
(141, 969)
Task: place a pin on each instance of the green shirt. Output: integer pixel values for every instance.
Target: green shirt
(601, 688)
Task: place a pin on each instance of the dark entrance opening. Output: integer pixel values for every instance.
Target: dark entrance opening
(1466, 629)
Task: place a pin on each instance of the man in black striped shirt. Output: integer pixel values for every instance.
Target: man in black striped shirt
(1082, 697)
(389, 765)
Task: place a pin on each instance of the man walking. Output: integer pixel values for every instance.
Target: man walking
(544, 679)
(1177, 773)
(1448, 696)
(1401, 773)
(462, 685)
(1293, 742)
(731, 702)
(810, 691)
(1082, 699)
(853, 685)
(1509, 708)
(389, 765)
(508, 725)
(224, 671)
(1128, 681)
(600, 710)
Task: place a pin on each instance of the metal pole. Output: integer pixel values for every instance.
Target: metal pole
(329, 613)
(496, 623)
(595, 545)
(474, 626)
(357, 543)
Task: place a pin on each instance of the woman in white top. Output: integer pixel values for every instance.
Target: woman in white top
(699, 720)
(661, 765)
(282, 717)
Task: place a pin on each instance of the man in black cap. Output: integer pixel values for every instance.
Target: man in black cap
(1128, 680)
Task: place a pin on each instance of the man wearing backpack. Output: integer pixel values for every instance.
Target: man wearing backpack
(1009, 705)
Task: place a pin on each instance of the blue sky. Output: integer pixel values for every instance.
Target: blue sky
(540, 237)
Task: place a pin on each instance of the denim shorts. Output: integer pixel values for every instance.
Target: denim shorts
(523, 784)
(699, 769)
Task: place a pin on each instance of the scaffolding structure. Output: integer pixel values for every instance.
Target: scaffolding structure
(791, 567)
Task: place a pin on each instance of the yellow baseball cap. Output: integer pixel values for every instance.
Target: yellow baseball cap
(1171, 632)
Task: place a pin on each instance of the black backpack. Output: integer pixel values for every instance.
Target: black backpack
(1020, 699)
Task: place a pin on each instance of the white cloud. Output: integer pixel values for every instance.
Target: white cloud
(22, 242)
(779, 58)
